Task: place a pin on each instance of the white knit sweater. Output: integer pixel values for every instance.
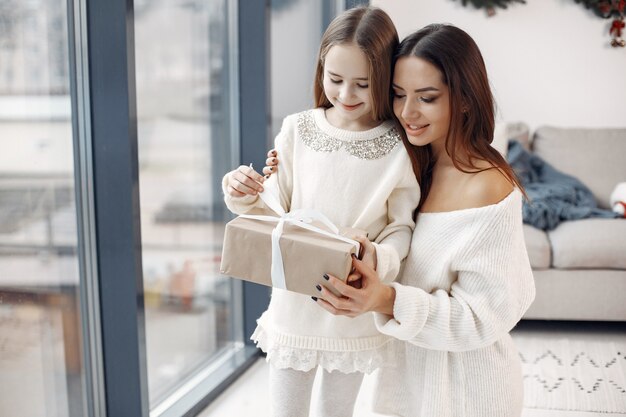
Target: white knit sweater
(362, 180)
(466, 282)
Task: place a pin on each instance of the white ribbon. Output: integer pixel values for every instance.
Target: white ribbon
(301, 218)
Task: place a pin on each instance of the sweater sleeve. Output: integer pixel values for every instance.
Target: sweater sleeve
(493, 290)
(284, 148)
(392, 244)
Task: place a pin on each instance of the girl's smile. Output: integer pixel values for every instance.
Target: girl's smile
(346, 85)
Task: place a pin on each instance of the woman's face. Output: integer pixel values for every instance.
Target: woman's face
(421, 101)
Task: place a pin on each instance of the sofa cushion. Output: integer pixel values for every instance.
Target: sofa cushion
(538, 247)
(594, 156)
(589, 243)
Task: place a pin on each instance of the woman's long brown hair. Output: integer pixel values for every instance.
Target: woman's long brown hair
(472, 107)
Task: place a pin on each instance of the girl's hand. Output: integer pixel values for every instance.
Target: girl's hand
(244, 181)
(368, 252)
(271, 163)
(373, 296)
(368, 256)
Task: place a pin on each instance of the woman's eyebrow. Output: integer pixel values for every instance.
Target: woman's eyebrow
(337, 75)
(419, 90)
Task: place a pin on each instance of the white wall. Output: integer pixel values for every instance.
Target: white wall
(549, 61)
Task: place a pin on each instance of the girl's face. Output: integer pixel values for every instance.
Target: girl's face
(346, 85)
(421, 101)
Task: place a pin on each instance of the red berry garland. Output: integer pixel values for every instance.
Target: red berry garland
(607, 9)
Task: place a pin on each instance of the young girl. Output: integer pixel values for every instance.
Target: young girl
(344, 158)
(467, 280)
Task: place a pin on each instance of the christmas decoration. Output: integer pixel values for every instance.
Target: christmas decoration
(490, 5)
(607, 9)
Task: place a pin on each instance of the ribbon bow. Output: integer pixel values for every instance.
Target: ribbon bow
(302, 218)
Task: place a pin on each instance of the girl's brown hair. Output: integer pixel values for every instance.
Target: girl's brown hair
(472, 107)
(373, 32)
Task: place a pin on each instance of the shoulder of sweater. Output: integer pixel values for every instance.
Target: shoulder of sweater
(292, 119)
(486, 188)
(288, 129)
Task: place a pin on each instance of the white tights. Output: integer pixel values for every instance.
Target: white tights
(291, 391)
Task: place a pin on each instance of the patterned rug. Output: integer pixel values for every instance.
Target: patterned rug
(576, 375)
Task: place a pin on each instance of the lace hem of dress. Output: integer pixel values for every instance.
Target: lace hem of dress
(365, 361)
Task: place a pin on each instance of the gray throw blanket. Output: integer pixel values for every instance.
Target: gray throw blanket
(554, 196)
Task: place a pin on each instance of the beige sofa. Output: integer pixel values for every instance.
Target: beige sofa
(580, 267)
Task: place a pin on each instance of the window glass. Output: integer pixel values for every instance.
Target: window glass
(41, 371)
(185, 147)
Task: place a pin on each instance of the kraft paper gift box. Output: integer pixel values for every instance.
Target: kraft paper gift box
(306, 254)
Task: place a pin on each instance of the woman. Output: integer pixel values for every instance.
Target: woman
(467, 280)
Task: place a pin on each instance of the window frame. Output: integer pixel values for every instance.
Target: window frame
(103, 95)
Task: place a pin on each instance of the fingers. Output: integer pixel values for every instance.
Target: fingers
(362, 268)
(343, 288)
(331, 309)
(245, 186)
(244, 180)
(243, 189)
(338, 303)
(269, 171)
(358, 284)
(271, 163)
(233, 192)
(251, 173)
(365, 245)
(353, 277)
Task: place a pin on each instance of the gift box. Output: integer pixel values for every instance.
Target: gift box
(308, 250)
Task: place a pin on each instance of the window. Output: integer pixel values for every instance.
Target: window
(41, 367)
(186, 145)
(117, 122)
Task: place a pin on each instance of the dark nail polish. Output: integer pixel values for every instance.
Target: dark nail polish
(319, 287)
(354, 256)
(273, 159)
(314, 298)
(326, 277)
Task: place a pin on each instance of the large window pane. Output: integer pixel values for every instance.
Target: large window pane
(41, 372)
(184, 148)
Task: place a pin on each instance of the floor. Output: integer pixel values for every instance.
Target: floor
(249, 395)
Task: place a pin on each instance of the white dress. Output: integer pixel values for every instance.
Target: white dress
(362, 180)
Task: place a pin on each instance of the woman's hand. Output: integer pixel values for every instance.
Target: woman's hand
(271, 163)
(244, 181)
(374, 295)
